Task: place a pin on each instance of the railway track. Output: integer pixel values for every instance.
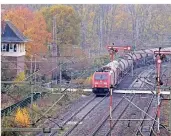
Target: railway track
(85, 109)
(124, 123)
(70, 117)
(106, 117)
(142, 123)
(72, 128)
(84, 116)
(152, 128)
(74, 114)
(124, 111)
(102, 123)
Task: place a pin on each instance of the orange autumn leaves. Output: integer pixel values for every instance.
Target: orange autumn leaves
(33, 26)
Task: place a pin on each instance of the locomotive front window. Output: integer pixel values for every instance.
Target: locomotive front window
(100, 77)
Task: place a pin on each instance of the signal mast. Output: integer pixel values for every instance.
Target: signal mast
(160, 55)
(112, 51)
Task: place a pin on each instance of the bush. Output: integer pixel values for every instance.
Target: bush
(20, 77)
(8, 122)
(22, 117)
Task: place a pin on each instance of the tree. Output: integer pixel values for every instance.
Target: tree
(20, 77)
(150, 23)
(32, 25)
(67, 22)
(22, 117)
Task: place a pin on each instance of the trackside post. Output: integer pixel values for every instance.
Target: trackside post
(112, 51)
(160, 55)
(110, 108)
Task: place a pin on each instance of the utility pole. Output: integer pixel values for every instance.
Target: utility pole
(31, 82)
(110, 112)
(170, 113)
(170, 103)
(137, 32)
(160, 55)
(132, 69)
(55, 49)
(35, 69)
(158, 93)
(101, 29)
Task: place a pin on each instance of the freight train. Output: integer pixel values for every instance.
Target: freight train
(113, 73)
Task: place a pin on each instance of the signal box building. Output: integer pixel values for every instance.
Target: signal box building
(12, 47)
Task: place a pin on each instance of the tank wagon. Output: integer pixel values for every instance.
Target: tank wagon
(114, 72)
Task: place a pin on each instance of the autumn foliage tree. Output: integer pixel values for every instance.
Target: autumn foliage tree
(67, 24)
(32, 25)
(22, 117)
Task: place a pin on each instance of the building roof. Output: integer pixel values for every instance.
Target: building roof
(10, 34)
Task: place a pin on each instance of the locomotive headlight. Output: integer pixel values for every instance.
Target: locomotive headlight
(128, 48)
(159, 61)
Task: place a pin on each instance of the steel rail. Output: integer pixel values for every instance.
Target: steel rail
(66, 121)
(109, 130)
(140, 125)
(103, 121)
(79, 110)
(99, 125)
(68, 132)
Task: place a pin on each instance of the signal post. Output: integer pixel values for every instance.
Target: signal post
(112, 51)
(160, 55)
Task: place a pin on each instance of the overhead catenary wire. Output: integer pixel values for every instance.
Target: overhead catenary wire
(19, 100)
(43, 114)
(61, 93)
(45, 73)
(33, 109)
(64, 90)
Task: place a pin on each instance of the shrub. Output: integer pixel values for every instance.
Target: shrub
(22, 117)
(8, 122)
(20, 77)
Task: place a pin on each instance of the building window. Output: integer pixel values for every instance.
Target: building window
(3, 47)
(7, 48)
(15, 48)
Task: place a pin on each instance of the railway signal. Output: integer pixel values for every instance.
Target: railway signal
(113, 50)
(160, 55)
